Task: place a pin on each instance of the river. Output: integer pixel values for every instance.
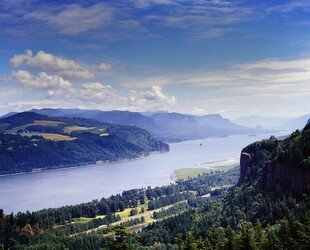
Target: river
(36, 191)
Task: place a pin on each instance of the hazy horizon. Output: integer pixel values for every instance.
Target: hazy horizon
(234, 58)
(163, 111)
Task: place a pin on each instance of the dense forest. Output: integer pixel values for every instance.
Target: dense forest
(30, 141)
(265, 210)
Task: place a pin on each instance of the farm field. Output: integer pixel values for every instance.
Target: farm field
(46, 123)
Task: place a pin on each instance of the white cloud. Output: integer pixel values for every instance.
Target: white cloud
(129, 19)
(212, 33)
(41, 81)
(18, 60)
(202, 14)
(275, 64)
(109, 20)
(150, 100)
(199, 111)
(25, 105)
(88, 93)
(271, 73)
(92, 94)
(105, 67)
(149, 3)
(259, 85)
(73, 19)
(49, 62)
(290, 6)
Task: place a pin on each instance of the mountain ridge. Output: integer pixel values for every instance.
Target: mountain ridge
(159, 124)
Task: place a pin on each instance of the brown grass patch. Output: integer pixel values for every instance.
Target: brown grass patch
(57, 137)
(46, 123)
(70, 129)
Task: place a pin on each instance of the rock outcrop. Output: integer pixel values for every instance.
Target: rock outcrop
(277, 163)
(245, 159)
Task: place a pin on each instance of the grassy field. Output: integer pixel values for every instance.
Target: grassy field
(46, 123)
(37, 123)
(125, 214)
(57, 137)
(185, 173)
(221, 161)
(70, 129)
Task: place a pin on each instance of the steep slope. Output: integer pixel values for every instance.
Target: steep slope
(286, 164)
(8, 114)
(177, 127)
(219, 124)
(265, 211)
(30, 141)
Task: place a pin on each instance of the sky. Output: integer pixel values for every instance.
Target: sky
(235, 58)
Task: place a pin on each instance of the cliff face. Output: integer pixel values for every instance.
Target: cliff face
(245, 160)
(278, 175)
(276, 164)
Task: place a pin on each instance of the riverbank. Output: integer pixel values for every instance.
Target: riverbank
(185, 173)
(90, 164)
(74, 185)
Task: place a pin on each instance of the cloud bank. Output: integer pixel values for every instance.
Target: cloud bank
(51, 63)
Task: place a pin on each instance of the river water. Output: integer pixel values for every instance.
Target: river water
(35, 191)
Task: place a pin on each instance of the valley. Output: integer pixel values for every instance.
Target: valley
(197, 211)
(75, 185)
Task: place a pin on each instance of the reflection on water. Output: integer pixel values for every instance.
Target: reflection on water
(71, 186)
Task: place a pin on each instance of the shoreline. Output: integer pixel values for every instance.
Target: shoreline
(127, 159)
(99, 162)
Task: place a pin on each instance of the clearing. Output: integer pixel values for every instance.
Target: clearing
(46, 123)
(184, 173)
(56, 137)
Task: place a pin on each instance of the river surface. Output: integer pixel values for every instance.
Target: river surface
(36, 191)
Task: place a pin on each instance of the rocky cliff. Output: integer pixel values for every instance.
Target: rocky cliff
(245, 160)
(280, 165)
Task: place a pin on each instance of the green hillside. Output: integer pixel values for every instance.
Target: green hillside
(269, 208)
(32, 142)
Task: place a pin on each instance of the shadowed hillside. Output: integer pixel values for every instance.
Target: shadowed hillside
(34, 142)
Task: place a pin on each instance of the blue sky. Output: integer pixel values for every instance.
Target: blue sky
(235, 58)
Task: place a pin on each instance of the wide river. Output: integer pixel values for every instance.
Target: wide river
(35, 191)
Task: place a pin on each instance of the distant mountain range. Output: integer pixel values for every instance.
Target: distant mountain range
(273, 122)
(170, 127)
(35, 142)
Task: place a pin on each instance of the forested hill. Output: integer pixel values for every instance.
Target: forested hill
(281, 164)
(34, 142)
(269, 209)
(266, 210)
